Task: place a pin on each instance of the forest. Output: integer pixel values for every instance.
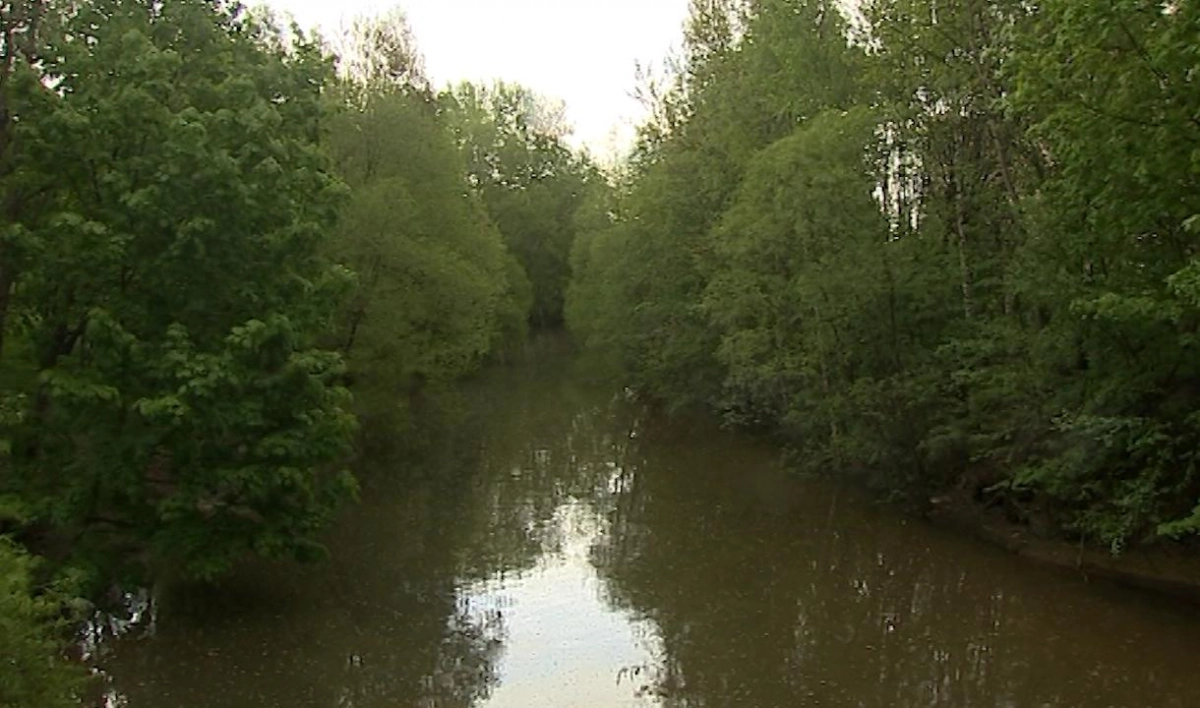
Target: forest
(944, 249)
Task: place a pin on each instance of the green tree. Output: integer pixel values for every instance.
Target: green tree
(800, 295)
(753, 72)
(529, 179)
(1113, 104)
(986, 283)
(436, 290)
(956, 168)
(170, 287)
(22, 32)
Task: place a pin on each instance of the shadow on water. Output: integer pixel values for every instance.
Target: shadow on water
(563, 546)
(770, 592)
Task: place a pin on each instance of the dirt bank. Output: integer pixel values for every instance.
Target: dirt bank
(1168, 568)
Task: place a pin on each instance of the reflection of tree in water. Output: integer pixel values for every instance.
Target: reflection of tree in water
(380, 624)
(465, 672)
(384, 622)
(455, 670)
(548, 441)
(762, 593)
(765, 597)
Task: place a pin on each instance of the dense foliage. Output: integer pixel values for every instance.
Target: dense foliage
(435, 288)
(954, 245)
(530, 180)
(170, 196)
(32, 675)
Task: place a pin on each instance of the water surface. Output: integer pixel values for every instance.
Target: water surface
(557, 544)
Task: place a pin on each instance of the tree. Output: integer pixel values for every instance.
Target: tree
(21, 33)
(754, 72)
(529, 179)
(381, 54)
(1113, 105)
(171, 288)
(799, 290)
(436, 290)
(989, 285)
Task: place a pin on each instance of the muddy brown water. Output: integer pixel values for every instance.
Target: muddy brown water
(564, 547)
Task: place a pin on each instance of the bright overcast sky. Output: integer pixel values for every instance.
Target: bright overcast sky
(580, 51)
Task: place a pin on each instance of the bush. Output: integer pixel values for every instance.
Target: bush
(33, 670)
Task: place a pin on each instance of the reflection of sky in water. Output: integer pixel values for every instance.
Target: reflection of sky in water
(564, 646)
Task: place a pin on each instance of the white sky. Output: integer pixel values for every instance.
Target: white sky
(580, 51)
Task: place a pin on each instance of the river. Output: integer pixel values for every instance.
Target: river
(557, 544)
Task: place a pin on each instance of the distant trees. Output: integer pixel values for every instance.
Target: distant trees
(435, 288)
(530, 180)
(952, 244)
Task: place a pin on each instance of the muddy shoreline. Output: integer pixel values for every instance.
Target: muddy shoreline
(1168, 569)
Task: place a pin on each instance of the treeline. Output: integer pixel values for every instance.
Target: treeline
(952, 245)
(225, 256)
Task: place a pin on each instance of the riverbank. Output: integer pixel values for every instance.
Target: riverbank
(1166, 568)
